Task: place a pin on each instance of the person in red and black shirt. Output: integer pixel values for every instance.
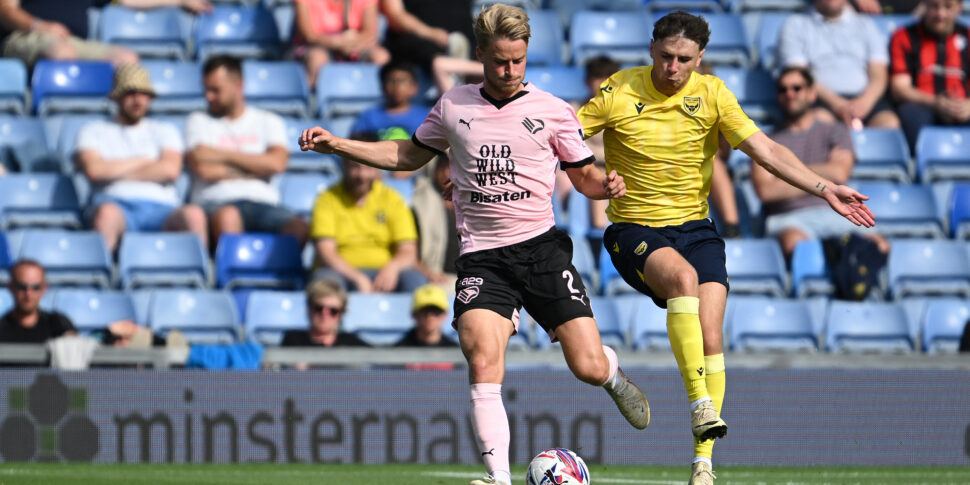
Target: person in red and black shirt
(930, 65)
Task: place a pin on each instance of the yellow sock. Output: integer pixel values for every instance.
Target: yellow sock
(687, 341)
(716, 383)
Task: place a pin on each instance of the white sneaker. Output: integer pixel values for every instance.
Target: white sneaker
(701, 474)
(630, 400)
(705, 422)
(487, 480)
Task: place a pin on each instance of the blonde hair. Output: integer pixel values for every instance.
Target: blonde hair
(323, 288)
(501, 21)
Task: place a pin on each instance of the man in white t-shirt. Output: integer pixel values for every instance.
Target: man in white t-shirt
(132, 163)
(233, 151)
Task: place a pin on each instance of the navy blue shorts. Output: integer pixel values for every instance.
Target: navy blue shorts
(697, 241)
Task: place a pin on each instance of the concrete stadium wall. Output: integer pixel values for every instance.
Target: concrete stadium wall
(776, 417)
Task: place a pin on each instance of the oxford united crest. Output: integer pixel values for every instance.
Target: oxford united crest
(692, 104)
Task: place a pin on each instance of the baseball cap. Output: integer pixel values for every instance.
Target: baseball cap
(429, 296)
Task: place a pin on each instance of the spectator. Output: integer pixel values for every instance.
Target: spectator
(340, 30)
(233, 150)
(791, 215)
(31, 30)
(429, 308)
(930, 69)
(132, 164)
(326, 304)
(399, 82)
(847, 55)
(435, 35)
(26, 322)
(438, 244)
(364, 232)
(197, 7)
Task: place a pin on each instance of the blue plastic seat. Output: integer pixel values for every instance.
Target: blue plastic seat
(153, 32)
(38, 200)
(881, 153)
(203, 316)
(943, 152)
(271, 313)
(613, 329)
(767, 5)
(565, 82)
(13, 86)
(71, 86)
(809, 270)
(279, 86)
(258, 260)
(67, 133)
(177, 85)
(624, 36)
(347, 88)
(729, 40)
(647, 321)
(299, 191)
(611, 283)
(23, 146)
(378, 318)
(585, 262)
(342, 124)
(162, 259)
(903, 210)
(93, 310)
(943, 324)
(6, 260)
(579, 223)
(660, 7)
(769, 30)
(308, 161)
(69, 258)
(285, 17)
(6, 302)
(754, 88)
(545, 45)
(888, 24)
(960, 211)
(759, 324)
(928, 267)
(867, 327)
(247, 32)
(756, 266)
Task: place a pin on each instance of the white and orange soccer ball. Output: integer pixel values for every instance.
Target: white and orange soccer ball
(557, 466)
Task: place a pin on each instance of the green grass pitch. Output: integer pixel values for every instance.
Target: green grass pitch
(242, 474)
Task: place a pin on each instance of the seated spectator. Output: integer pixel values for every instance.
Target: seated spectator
(233, 151)
(132, 164)
(437, 227)
(326, 304)
(197, 7)
(429, 308)
(399, 82)
(930, 70)
(847, 55)
(364, 233)
(339, 30)
(31, 30)
(435, 35)
(26, 323)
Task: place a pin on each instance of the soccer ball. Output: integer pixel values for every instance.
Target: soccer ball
(557, 466)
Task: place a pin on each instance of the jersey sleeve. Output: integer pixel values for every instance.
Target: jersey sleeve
(323, 220)
(567, 143)
(899, 49)
(432, 135)
(595, 114)
(733, 123)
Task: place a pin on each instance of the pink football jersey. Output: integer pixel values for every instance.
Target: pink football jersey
(504, 156)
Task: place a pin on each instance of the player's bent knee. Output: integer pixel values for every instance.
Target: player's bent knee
(683, 283)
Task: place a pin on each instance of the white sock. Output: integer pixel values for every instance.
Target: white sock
(698, 459)
(502, 477)
(698, 402)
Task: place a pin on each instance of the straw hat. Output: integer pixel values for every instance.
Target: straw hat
(131, 77)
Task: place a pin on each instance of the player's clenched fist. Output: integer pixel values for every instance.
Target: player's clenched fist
(614, 185)
(317, 139)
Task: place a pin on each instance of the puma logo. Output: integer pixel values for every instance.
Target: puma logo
(489, 452)
(466, 123)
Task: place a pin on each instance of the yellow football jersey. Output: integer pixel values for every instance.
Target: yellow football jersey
(663, 146)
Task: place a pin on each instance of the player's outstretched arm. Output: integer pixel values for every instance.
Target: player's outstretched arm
(782, 163)
(595, 184)
(387, 154)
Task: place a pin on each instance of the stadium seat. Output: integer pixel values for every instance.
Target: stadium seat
(141, 299)
(754, 88)
(729, 40)
(756, 266)
(809, 270)
(70, 127)
(378, 318)
(6, 259)
(285, 17)
(341, 125)
(69, 258)
(203, 316)
(308, 161)
(903, 210)
(769, 29)
(93, 310)
(347, 88)
(278, 86)
(611, 283)
(647, 321)
(888, 24)
(404, 187)
(867, 327)
(299, 191)
(881, 153)
(6, 302)
(759, 324)
(943, 324)
(38, 200)
(579, 222)
(624, 36)
(960, 212)
(271, 313)
(739, 164)
(23, 146)
(928, 267)
(545, 45)
(71, 86)
(701, 7)
(162, 259)
(177, 85)
(613, 329)
(585, 262)
(13, 86)
(943, 152)
(258, 260)
(247, 32)
(564, 82)
(153, 32)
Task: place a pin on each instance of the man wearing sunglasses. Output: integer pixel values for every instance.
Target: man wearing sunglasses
(326, 303)
(26, 323)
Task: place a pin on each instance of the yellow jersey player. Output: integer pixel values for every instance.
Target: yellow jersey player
(661, 127)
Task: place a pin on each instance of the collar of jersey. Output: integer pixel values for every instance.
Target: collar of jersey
(648, 83)
(501, 103)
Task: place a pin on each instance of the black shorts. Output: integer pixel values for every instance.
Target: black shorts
(537, 273)
(697, 241)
